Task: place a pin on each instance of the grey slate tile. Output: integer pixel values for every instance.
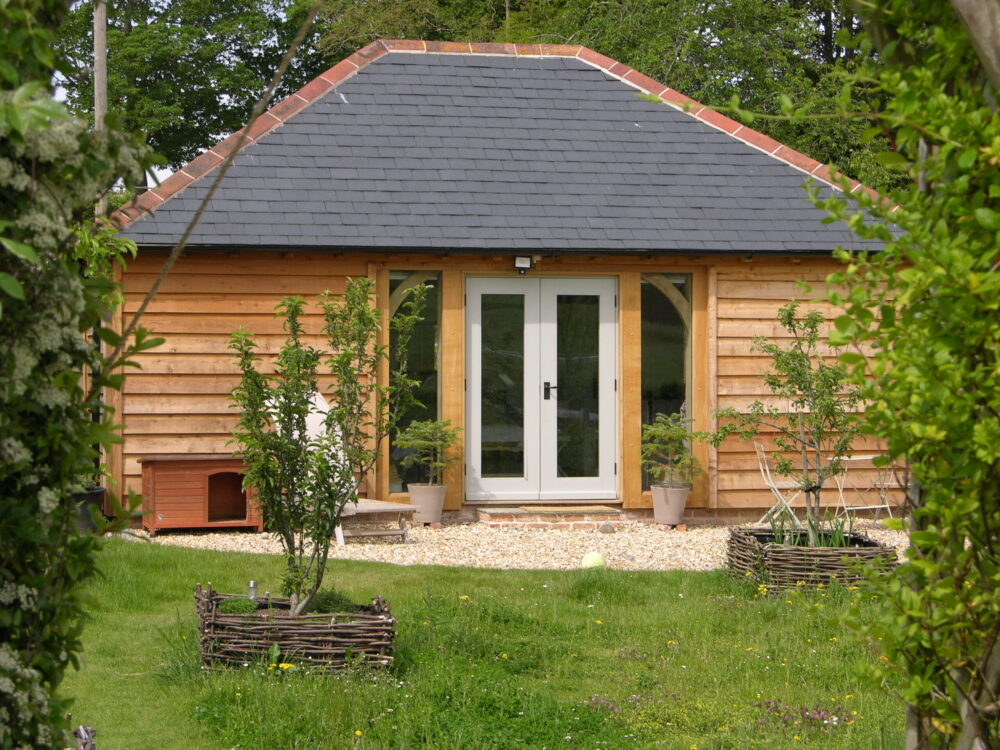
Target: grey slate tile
(482, 152)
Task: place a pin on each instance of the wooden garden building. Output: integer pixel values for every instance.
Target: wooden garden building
(598, 247)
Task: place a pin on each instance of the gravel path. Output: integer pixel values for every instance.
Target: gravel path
(636, 546)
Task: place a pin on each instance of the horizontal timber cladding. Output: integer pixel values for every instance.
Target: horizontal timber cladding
(178, 402)
(749, 293)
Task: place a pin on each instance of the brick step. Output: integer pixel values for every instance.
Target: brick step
(575, 517)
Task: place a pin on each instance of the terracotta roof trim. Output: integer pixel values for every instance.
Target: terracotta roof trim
(278, 114)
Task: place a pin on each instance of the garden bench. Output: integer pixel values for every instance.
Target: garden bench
(375, 511)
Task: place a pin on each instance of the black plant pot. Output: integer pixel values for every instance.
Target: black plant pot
(91, 496)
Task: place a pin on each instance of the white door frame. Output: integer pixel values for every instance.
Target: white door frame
(540, 480)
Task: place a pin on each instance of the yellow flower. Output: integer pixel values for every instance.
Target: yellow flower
(788, 601)
(504, 656)
(848, 697)
(796, 738)
(835, 639)
(357, 732)
(463, 598)
(425, 623)
(671, 643)
(286, 665)
(598, 622)
(800, 583)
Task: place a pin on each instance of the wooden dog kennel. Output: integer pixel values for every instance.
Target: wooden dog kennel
(196, 492)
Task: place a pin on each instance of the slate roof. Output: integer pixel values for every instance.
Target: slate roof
(400, 148)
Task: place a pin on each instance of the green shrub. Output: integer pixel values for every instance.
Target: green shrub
(331, 600)
(237, 606)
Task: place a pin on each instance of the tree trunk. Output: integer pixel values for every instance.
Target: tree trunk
(974, 735)
(982, 22)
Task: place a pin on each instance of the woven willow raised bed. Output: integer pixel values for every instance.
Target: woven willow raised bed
(319, 641)
(754, 554)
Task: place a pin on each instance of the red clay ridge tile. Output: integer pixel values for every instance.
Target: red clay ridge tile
(404, 45)
(314, 89)
(527, 49)
(262, 125)
(796, 159)
(676, 97)
(645, 82)
(173, 184)
(488, 48)
(620, 69)
(125, 216)
(596, 58)
(755, 138)
(561, 50)
(339, 72)
(720, 121)
(146, 202)
(202, 164)
(225, 147)
(448, 47)
(367, 54)
(287, 107)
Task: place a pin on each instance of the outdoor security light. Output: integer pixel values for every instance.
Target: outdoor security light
(522, 263)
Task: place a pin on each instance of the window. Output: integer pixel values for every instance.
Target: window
(423, 365)
(666, 346)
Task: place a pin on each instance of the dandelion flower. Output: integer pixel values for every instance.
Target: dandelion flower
(463, 598)
(598, 622)
(358, 732)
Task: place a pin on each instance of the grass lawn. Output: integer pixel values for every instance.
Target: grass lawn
(487, 659)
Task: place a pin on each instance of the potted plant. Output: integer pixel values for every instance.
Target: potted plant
(667, 457)
(90, 494)
(430, 441)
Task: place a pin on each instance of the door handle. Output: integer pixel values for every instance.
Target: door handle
(547, 389)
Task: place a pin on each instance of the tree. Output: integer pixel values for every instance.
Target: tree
(817, 427)
(185, 72)
(303, 479)
(757, 50)
(54, 168)
(927, 306)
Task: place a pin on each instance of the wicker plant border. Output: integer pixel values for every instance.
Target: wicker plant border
(322, 642)
(753, 553)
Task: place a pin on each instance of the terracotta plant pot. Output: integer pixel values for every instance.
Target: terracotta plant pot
(429, 500)
(669, 502)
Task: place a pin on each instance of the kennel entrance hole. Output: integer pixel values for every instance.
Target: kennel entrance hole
(226, 499)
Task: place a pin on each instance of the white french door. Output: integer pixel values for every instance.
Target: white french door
(541, 414)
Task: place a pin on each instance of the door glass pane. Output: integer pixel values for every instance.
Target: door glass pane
(578, 407)
(502, 442)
